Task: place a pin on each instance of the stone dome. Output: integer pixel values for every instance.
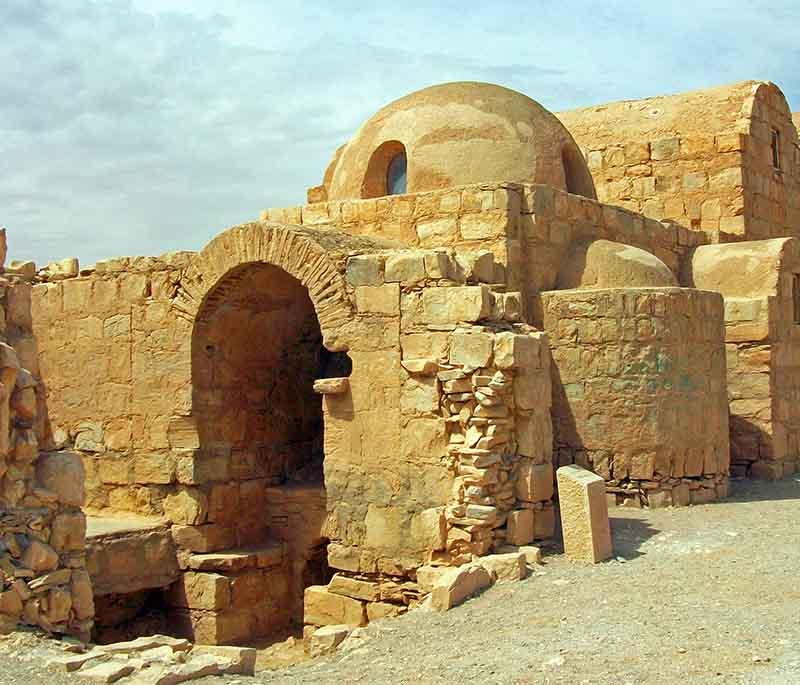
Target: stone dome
(606, 264)
(457, 134)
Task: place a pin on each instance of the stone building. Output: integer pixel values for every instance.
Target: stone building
(286, 426)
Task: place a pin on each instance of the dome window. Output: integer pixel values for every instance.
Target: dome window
(396, 175)
(387, 171)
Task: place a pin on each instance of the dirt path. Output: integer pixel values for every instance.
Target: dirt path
(705, 594)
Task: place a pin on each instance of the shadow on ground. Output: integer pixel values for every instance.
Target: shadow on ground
(764, 491)
(628, 534)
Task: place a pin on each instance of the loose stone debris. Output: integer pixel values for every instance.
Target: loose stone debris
(154, 660)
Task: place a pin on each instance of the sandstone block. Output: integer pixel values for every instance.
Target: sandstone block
(82, 595)
(533, 555)
(437, 264)
(458, 584)
(323, 608)
(429, 528)
(23, 402)
(68, 532)
(73, 662)
(59, 603)
(206, 538)
(364, 270)
(242, 659)
(379, 610)
(476, 266)
(473, 350)
(407, 268)
(534, 482)
(453, 305)
(513, 350)
(62, 473)
(107, 671)
(584, 514)
(326, 639)
(182, 433)
(39, 557)
(331, 386)
(10, 603)
(210, 591)
(379, 299)
(188, 506)
(519, 527)
(428, 576)
(505, 567)
(420, 367)
(354, 587)
(154, 468)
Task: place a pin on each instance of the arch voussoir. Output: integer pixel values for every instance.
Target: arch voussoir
(290, 248)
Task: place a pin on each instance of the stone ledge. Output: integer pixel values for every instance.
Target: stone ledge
(238, 559)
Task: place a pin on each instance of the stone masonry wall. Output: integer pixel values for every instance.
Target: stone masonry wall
(527, 228)
(639, 391)
(757, 280)
(43, 580)
(115, 367)
(702, 159)
(762, 341)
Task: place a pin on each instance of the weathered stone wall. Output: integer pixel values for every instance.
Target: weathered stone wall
(211, 422)
(761, 335)
(116, 368)
(529, 229)
(639, 390)
(702, 159)
(43, 581)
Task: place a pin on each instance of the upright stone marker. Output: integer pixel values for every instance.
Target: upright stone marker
(584, 514)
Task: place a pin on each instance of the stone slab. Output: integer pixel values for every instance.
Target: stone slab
(584, 515)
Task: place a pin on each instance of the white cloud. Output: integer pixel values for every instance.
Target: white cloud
(136, 128)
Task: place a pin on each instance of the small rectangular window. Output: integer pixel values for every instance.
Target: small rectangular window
(796, 297)
(776, 149)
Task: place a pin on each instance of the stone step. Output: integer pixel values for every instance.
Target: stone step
(240, 558)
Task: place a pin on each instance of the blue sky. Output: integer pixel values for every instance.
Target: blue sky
(142, 126)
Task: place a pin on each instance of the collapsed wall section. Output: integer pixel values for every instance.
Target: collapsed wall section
(470, 418)
(639, 391)
(43, 581)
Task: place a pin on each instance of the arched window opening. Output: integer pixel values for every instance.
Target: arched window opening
(387, 171)
(396, 175)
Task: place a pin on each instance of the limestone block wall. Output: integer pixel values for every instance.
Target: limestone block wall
(116, 369)
(702, 159)
(43, 580)
(200, 425)
(758, 282)
(529, 229)
(639, 390)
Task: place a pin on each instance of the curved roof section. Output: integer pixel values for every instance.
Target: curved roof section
(459, 134)
(748, 269)
(712, 110)
(607, 264)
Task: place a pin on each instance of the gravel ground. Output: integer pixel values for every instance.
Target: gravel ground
(707, 594)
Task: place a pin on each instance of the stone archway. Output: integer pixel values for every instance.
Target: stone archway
(267, 305)
(299, 251)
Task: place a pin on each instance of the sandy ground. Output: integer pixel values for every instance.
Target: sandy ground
(707, 594)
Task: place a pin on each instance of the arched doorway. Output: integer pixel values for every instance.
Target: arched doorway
(257, 349)
(269, 312)
(256, 352)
